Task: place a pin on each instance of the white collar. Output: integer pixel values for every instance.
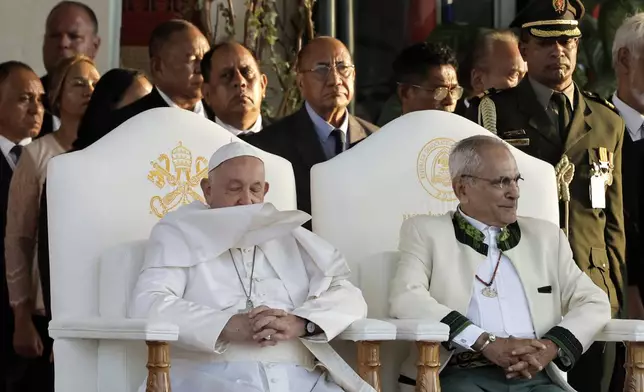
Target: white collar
(254, 129)
(632, 118)
(480, 226)
(6, 145)
(199, 109)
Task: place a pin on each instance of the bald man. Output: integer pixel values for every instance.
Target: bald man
(71, 28)
(234, 87)
(176, 48)
(322, 128)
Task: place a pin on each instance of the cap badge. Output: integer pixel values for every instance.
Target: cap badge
(559, 6)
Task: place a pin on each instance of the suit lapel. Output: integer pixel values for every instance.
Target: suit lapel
(469, 261)
(537, 117)
(210, 114)
(5, 170)
(356, 131)
(283, 255)
(306, 139)
(155, 100)
(580, 124)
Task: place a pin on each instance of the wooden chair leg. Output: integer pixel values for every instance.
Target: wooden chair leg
(158, 367)
(634, 367)
(369, 363)
(428, 367)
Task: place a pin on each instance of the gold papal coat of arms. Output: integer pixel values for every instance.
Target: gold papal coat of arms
(177, 173)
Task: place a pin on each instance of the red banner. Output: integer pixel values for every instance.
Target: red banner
(140, 17)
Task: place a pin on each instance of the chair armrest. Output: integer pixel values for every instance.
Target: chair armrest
(622, 331)
(418, 330)
(369, 330)
(113, 329)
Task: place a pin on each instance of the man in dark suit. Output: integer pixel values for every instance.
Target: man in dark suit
(234, 88)
(323, 127)
(71, 28)
(629, 102)
(176, 49)
(549, 117)
(426, 77)
(21, 114)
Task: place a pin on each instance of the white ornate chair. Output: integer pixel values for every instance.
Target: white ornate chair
(402, 171)
(103, 202)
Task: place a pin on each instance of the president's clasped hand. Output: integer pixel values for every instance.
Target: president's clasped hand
(521, 357)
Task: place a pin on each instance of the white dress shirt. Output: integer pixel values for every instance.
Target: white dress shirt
(507, 314)
(199, 109)
(254, 129)
(634, 120)
(55, 123)
(6, 145)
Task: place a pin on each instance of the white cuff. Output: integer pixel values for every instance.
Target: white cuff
(468, 336)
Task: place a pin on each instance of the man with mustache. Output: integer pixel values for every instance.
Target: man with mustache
(234, 87)
(323, 127)
(549, 117)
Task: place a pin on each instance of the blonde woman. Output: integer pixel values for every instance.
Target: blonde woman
(72, 85)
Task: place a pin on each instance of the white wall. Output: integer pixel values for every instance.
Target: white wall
(22, 26)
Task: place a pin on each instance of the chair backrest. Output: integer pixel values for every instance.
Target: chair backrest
(114, 192)
(361, 197)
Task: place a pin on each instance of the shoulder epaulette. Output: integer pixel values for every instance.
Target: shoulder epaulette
(595, 97)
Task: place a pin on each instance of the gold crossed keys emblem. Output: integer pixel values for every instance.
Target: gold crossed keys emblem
(176, 172)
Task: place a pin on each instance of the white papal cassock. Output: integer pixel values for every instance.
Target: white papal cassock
(189, 278)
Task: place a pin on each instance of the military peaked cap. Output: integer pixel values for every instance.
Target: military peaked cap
(551, 18)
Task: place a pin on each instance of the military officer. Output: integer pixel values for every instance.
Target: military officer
(549, 117)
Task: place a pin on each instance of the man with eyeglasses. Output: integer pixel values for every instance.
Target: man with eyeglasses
(322, 128)
(426, 77)
(549, 117)
(517, 305)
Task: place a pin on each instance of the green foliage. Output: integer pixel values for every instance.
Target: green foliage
(594, 59)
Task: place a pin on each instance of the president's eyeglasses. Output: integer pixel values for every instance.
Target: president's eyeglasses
(502, 183)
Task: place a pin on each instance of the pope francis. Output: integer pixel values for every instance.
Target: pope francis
(256, 297)
(515, 301)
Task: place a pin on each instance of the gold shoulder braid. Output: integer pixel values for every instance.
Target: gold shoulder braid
(487, 114)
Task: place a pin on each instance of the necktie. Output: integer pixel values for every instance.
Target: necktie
(559, 100)
(16, 151)
(338, 136)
